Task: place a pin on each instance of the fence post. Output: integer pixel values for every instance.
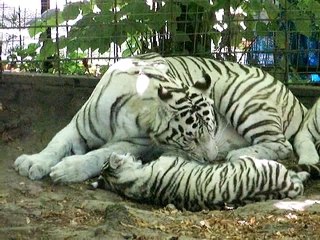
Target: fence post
(57, 42)
(47, 63)
(20, 37)
(286, 39)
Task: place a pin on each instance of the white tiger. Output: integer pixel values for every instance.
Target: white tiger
(307, 140)
(200, 107)
(194, 186)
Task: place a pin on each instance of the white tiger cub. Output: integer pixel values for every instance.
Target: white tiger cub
(198, 106)
(307, 140)
(194, 186)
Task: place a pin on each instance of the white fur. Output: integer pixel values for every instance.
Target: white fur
(118, 109)
(308, 136)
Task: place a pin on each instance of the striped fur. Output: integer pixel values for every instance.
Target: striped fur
(201, 108)
(307, 140)
(193, 186)
(251, 102)
(312, 169)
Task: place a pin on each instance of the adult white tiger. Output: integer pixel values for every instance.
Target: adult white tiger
(128, 105)
(150, 101)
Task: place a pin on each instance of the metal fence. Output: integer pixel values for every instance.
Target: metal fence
(281, 36)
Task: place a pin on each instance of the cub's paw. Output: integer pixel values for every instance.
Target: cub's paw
(76, 168)
(33, 166)
(303, 176)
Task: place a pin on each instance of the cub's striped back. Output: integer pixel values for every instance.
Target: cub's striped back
(194, 186)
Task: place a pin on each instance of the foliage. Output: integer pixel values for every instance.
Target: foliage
(28, 59)
(176, 26)
(171, 27)
(71, 66)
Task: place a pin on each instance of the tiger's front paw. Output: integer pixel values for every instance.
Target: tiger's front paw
(76, 168)
(235, 155)
(34, 166)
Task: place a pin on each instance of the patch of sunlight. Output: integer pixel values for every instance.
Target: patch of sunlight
(296, 205)
(142, 83)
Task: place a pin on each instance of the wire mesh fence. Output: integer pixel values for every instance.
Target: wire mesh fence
(85, 37)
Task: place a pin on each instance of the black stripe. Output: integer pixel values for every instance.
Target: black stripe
(116, 108)
(78, 130)
(258, 124)
(215, 66)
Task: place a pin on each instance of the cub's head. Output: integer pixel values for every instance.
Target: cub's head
(118, 172)
(191, 125)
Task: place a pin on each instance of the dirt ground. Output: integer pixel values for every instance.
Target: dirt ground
(42, 210)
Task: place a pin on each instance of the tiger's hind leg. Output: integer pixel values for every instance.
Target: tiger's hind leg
(305, 148)
(307, 140)
(273, 150)
(64, 143)
(263, 126)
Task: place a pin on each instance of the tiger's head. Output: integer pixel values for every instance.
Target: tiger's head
(187, 121)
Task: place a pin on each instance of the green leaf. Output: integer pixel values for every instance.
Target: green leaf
(280, 38)
(303, 24)
(181, 37)
(255, 6)
(73, 45)
(215, 36)
(86, 8)
(248, 35)
(138, 10)
(63, 42)
(54, 20)
(41, 25)
(272, 9)
(202, 3)
(219, 4)
(36, 27)
(170, 11)
(48, 49)
(71, 11)
(262, 29)
(104, 5)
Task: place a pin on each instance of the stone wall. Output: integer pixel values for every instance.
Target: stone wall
(306, 94)
(29, 103)
(27, 99)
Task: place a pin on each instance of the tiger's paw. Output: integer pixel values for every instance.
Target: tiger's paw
(303, 176)
(34, 166)
(235, 155)
(309, 160)
(76, 168)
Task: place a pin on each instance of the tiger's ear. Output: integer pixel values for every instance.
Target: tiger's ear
(204, 83)
(115, 161)
(163, 93)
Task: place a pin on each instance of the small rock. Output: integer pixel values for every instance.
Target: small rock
(95, 205)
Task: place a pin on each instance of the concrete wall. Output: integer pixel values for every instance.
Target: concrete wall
(27, 99)
(29, 103)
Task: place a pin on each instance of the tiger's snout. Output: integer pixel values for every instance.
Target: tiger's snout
(206, 152)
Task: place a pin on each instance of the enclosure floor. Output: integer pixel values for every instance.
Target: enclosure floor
(42, 210)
